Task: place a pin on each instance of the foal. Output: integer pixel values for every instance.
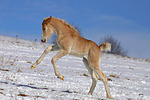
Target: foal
(70, 42)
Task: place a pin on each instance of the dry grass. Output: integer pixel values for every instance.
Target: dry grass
(85, 75)
(147, 60)
(108, 79)
(29, 62)
(4, 69)
(115, 76)
(24, 95)
(7, 62)
(21, 94)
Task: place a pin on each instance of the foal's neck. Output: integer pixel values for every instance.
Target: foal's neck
(59, 27)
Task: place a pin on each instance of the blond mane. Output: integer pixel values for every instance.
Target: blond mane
(67, 24)
(63, 22)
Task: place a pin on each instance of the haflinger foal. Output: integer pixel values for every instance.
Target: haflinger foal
(70, 42)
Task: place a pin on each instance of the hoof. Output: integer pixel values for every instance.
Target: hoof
(62, 77)
(32, 67)
(89, 93)
(109, 97)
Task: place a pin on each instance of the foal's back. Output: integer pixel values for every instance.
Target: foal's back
(82, 47)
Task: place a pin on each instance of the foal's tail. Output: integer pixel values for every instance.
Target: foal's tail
(105, 47)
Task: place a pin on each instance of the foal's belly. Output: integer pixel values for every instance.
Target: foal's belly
(78, 53)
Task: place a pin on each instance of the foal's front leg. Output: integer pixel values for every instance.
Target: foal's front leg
(60, 54)
(46, 51)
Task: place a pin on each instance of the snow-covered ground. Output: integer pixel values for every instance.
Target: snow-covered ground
(128, 78)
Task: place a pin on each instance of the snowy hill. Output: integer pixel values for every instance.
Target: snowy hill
(128, 78)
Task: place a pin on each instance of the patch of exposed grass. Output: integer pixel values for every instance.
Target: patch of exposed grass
(23, 95)
(7, 62)
(115, 76)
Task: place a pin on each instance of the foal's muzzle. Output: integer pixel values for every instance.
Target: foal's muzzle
(43, 40)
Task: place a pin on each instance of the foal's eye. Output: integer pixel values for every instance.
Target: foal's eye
(44, 29)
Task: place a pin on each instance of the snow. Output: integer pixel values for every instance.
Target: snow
(129, 79)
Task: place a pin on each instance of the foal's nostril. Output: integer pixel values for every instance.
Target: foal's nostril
(43, 40)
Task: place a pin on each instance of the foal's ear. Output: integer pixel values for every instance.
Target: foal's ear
(49, 19)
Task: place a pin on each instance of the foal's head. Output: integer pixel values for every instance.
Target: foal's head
(47, 29)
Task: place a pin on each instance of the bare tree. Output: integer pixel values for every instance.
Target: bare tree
(116, 47)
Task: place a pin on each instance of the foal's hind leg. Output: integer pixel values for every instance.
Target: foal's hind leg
(103, 77)
(46, 51)
(93, 75)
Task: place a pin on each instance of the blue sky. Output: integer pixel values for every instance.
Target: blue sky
(126, 20)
